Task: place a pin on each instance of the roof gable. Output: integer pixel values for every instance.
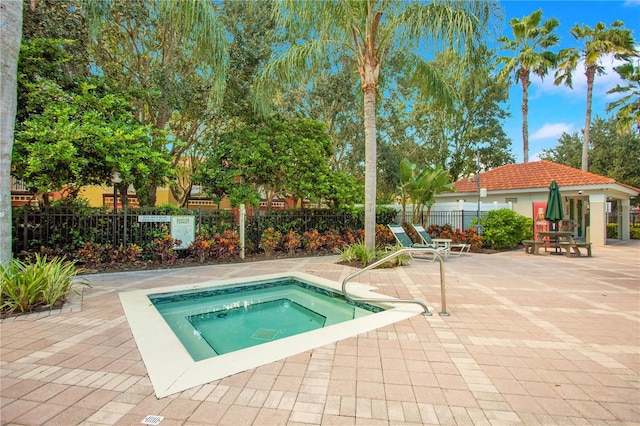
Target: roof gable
(537, 174)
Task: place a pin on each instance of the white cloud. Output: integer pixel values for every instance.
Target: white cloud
(603, 83)
(551, 130)
(535, 157)
(631, 3)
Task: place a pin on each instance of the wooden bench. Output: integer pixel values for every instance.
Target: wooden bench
(576, 248)
(532, 246)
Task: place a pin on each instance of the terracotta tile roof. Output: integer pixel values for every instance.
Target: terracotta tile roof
(537, 174)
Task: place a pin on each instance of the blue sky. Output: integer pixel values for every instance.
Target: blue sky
(557, 109)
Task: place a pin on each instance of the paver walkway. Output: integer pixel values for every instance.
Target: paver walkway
(531, 339)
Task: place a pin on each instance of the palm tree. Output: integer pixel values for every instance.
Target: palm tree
(370, 32)
(598, 43)
(530, 38)
(10, 36)
(628, 106)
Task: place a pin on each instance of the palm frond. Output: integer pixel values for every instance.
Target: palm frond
(205, 33)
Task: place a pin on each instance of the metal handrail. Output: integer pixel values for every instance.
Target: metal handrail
(386, 259)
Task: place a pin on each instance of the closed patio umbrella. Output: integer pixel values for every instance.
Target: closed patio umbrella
(554, 211)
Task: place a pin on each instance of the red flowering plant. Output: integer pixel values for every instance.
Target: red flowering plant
(333, 239)
(384, 236)
(313, 241)
(227, 244)
(130, 254)
(163, 248)
(291, 241)
(92, 254)
(270, 241)
(201, 248)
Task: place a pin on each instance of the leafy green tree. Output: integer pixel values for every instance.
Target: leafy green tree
(531, 39)
(78, 139)
(609, 152)
(598, 43)
(251, 28)
(628, 106)
(61, 20)
(73, 131)
(473, 122)
(333, 100)
(171, 58)
(276, 158)
(369, 32)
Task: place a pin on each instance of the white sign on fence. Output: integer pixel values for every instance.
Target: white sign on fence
(183, 228)
(153, 218)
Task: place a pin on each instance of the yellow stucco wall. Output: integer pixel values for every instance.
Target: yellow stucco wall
(94, 194)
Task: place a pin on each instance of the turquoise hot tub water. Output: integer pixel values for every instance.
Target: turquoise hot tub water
(218, 320)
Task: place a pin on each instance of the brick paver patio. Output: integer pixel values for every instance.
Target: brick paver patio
(530, 340)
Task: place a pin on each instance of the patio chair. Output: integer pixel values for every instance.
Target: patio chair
(404, 240)
(443, 242)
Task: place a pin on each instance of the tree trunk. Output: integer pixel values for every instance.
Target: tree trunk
(10, 38)
(152, 193)
(524, 78)
(370, 168)
(590, 73)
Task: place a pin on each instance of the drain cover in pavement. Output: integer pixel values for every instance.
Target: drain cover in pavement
(152, 420)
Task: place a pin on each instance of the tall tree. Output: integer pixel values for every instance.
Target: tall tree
(369, 32)
(171, 56)
(453, 136)
(10, 37)
(628, 106)
(531, 38)
(599, 42)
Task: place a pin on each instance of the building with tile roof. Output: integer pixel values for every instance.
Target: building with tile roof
(589, 199)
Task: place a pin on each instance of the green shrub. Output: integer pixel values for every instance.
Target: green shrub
(400, 260)
(33, 285)
(363, 254)
(612, 231)
(505, 228)
(357, 252)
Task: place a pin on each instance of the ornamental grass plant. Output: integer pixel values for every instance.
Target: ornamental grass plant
(41, 284)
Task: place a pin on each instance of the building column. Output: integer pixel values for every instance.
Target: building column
(597, 219)
(624, 230)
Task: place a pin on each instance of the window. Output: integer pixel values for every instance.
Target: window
(511, 200)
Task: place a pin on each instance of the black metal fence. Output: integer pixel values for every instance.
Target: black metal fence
(461, 219)
(69, 229)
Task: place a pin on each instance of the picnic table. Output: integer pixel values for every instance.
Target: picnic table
(558, 239)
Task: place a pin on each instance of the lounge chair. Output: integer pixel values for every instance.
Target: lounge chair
(441, 242)
(404, 240)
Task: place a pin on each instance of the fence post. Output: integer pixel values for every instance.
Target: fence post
(243, 213)
(25, 231)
